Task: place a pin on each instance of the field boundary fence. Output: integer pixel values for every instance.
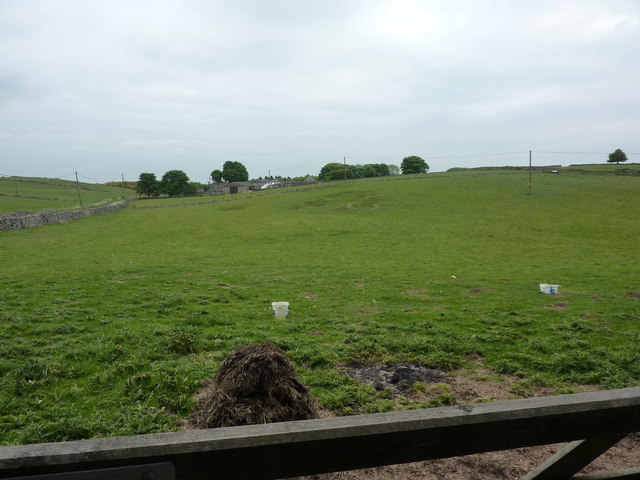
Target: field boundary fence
(27, 219)
(592, 423)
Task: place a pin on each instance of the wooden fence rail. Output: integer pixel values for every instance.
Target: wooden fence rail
(592, 421)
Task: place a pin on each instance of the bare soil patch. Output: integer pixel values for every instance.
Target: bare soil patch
(397, 377)
(473, 385)
(478, 290)
(558, 306)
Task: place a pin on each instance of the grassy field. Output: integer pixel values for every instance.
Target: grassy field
(605, 167)
(112, 323)
(36, 194)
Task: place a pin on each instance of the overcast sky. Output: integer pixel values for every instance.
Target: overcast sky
(116, 87)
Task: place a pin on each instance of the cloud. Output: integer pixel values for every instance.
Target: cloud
(290, 84)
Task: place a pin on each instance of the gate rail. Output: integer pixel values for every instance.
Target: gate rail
(593, 422)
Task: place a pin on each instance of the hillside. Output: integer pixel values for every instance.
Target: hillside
(36, 194)
(113, 323)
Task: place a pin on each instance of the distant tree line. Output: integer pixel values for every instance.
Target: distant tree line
(172, 183)
(338, 171)
(176, 182)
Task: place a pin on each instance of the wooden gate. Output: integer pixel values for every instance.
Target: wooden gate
(592, 422)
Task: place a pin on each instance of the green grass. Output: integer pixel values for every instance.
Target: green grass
(111, 323)
(605, 167)
(164, 201)
(36, 194)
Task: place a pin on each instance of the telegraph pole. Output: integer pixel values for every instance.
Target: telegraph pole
(78, 188)
(529, 172)
(344, 159)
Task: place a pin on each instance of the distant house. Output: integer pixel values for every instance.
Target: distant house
(231, 188)
(271, 184)
(309, 180)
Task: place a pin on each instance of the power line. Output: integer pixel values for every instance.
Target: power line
(579, 153)
(429, 157)
(478, 155)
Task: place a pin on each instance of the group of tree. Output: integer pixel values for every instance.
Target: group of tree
(337, 171)
(174, 182)
(231, 172)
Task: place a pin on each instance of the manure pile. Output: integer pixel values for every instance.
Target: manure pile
(255, 384)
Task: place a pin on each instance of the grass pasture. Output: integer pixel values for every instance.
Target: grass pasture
(112, 323)
(37, 194)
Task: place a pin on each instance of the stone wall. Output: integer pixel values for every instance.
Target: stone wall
(27, 219)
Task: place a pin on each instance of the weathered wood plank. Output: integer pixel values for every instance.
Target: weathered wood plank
(631, 474)
(155, 471)
(333, 444)
(573, 458)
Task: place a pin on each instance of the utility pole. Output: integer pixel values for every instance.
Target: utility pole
(344, 159)
(78, 188)
(529, 172)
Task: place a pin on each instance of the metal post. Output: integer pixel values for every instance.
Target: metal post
(529, 172)
(78, 188)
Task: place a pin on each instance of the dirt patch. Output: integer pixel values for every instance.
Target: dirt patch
(472, 385)
(633, 294)
(478, 290)
(398, 377)
(557, 306)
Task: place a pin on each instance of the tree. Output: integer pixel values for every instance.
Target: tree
(148, 185)
(617, 156)
(394, 169)
(336, 171)
(381, 169)
(234, 172)
(413, 164)
(174, 182)
(192, 188)
(216, 176)
(368, 171)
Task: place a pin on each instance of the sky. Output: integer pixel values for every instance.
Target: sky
(122, 87)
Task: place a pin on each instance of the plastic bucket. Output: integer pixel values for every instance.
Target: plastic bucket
(549, 289)
(280, 309)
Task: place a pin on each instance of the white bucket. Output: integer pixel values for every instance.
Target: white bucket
(549, 289)
(280, 309)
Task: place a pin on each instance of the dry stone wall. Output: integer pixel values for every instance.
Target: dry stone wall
(27, 219)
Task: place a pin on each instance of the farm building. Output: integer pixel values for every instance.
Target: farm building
(234, 187)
